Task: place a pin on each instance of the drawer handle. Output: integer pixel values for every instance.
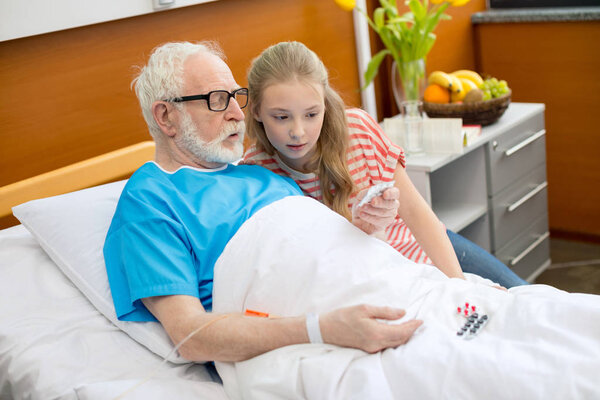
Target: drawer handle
(529, 195)
(529, 249)
(524, 143)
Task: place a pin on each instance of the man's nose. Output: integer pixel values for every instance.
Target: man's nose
(234, 111)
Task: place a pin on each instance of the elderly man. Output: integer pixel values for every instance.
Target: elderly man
(176, 215)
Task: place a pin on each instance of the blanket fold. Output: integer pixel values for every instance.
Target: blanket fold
(297, 256)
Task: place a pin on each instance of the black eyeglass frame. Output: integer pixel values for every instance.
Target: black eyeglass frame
(206, 97)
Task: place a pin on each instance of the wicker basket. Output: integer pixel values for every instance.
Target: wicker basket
(478, 113)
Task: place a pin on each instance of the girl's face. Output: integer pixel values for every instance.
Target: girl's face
(292, 115)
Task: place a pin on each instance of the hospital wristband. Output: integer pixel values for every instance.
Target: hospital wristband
(313, 328)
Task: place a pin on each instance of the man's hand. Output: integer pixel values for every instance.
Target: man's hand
(377, 214)
(358, 327)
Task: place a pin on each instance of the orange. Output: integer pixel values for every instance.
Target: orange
(435, 93)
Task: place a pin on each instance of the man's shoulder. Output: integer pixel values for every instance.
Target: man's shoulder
(265, 175)
(253, 170)
(149, 173)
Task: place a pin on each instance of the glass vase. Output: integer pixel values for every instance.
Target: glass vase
(408, 84)
(408, 80)
(412, 116)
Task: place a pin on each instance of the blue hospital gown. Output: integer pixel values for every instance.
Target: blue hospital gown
(170, 228)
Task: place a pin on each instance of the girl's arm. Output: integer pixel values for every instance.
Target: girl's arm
(425, 226)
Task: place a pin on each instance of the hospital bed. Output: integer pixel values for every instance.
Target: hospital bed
(60, 338)
(57, 340)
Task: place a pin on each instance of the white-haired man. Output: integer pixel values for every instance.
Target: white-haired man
(176, 215)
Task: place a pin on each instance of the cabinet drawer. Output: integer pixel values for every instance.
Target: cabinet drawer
(516, 152)
(517, 206)
(529, 251)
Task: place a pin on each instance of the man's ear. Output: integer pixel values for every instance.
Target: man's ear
(163, 113)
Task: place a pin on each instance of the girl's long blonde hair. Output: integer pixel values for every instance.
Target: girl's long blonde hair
(288, 61)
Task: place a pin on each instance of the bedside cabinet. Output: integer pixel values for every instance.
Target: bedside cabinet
(495, 192)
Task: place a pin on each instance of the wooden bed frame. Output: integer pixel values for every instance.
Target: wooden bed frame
(112, 166)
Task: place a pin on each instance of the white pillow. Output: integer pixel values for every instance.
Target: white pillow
(72, 228)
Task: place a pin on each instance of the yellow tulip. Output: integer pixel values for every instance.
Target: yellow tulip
(458, 3)
(347, 5)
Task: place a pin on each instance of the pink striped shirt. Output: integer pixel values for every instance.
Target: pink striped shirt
(372, 159)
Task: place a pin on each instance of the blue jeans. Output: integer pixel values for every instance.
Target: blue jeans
(475, 260)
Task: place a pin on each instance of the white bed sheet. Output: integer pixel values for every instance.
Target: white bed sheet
(55, 345)
(540, 342)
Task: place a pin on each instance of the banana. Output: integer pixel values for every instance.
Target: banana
(467, 85)
(440, 78)
(470, 75)
(456, 86)
(448, 81)
(457, 96)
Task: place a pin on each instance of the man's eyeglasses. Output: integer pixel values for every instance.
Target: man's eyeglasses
(217, 100)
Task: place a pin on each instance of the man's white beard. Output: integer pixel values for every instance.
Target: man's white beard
(214, 151)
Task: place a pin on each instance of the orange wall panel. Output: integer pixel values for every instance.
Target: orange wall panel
(66, 95)
(556, 63)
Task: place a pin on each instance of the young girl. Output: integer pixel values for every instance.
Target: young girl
(301, 129)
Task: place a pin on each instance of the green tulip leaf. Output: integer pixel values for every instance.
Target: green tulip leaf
(390, 7)
(379, 17)
(373, 66)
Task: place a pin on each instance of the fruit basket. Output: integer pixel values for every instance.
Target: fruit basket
(477, 113)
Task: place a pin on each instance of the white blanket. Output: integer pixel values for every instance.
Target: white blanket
(296, 256)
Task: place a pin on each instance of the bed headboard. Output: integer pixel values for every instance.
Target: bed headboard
(112, 166)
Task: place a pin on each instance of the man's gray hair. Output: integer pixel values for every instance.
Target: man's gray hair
(162, 77)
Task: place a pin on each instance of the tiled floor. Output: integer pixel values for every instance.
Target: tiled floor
(575, 266)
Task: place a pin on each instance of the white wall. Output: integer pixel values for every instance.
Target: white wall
(22, 18)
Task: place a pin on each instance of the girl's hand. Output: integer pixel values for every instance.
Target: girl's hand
(377, 214)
